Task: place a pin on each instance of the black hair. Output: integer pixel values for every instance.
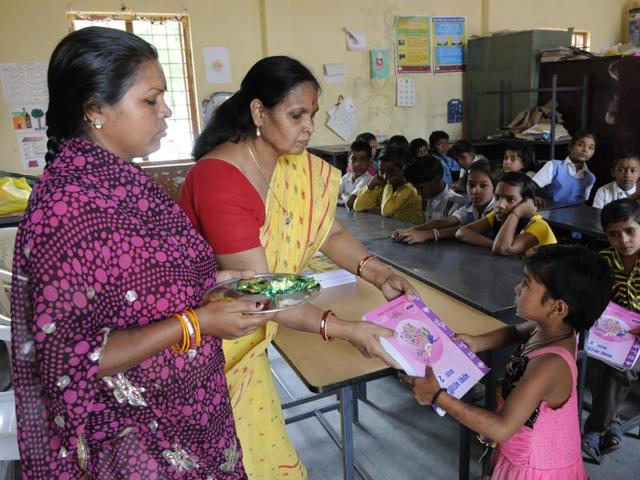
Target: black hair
(398, 155)
(624, 154)
(398, 141)
(436, 136)
(459, 148)
(582, 134)
(425, 170)
(528, 187)
(91, 67)
(270, 80)
(366, 137)
(528, 162)
(483, 166)
(619, 211)
(416, 144)
(580, 278)
(361, 146)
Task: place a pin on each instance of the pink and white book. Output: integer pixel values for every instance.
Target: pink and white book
(610, 340)
(423, 339)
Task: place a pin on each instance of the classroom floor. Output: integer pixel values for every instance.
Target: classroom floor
(398, 440)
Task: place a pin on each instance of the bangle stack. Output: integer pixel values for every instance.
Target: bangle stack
(434, 402)
(436, 235)
(362, 263)
(191, 335)
(323, 326)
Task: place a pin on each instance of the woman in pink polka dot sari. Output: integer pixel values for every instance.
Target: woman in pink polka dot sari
(103, 260)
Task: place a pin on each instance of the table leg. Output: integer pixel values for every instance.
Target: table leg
(346, 427)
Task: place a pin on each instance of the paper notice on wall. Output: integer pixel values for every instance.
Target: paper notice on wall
(356, 41)
(27, 117)
(32, 147)
(24, 83)
(217, 65)
(342, 118)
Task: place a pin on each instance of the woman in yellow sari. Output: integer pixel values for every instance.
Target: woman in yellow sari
(265, 204)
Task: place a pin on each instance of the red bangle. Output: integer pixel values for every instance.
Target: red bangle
(323, 326)
(362, 263)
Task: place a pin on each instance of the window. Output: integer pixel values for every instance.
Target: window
(581, 40)
(170, 35)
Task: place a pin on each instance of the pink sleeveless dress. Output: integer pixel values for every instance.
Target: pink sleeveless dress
(551, 449)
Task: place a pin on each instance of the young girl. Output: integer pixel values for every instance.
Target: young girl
(514, 227)
(570, 180)
(389, 190)
(564, 290)
(518, 159)
(480, 186)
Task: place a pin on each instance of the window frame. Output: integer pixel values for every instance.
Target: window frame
(585, 35)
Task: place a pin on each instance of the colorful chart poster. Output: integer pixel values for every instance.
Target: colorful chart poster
(379, 64)
(449, 38)
(413, 48)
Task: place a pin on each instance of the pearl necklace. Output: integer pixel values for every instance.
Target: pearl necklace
(287, 214)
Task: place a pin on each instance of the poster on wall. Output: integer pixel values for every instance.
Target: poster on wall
(33, 147)
(448, 40)
(412, 44)
(379, 63)
(217, 65)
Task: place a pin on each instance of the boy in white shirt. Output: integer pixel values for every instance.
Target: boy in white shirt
(438, 200)
(626, 172)
(359, 161)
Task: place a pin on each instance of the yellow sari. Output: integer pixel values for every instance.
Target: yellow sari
(300, 208)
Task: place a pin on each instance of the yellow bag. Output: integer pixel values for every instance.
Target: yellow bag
(14, 195)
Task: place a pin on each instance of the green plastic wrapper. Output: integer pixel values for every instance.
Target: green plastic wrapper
(272, 288)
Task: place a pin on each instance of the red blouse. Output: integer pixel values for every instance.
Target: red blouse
(223, 206)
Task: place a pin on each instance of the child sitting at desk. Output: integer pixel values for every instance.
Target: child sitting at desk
(439, 146)
(480, 185)
(626, 172)
(609, 386)
(419, 148)
(514, 227)
(564, 289)
(517, 158)
(359, 177)
(570, 180)
(372, 140)
(389, 191)
(464, 153)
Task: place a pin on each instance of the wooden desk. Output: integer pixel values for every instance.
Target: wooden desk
(578, 218)
(369, 226)
(337, 367)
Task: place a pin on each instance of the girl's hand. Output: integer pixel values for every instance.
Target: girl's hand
(539, 202)
(225, 319)
(365, 336)
(424, 388)
(399, 234)
(376, 181)
(411, 236)
(525, 209)
(635, 331)
(470, 340)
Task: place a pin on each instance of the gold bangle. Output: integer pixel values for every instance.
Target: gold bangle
(362, 263)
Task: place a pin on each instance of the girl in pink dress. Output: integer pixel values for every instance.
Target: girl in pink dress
(564, 290)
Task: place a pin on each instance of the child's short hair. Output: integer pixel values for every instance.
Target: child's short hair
(580, 278)
(527, 186)
(398, 141)
(415, 145)
(483, 166)
(619, 211)
(436, 136)
(424, 171)
(525, 155)
(625, 154)
(460, 148)
(398, 155)
(361, 146)
(580, 134)
(365, 137)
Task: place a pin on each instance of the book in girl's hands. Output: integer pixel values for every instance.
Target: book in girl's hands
(423, 339)
(610, 340)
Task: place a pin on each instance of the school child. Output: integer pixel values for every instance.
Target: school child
(609, 386)
(480, 183)
(514, 227)
(518, 159)
(389, 191)
(438, 200)
(419, 148)
(625, 172)
(465, 154)
(439, 146)
(564, 290)
(372, 140)
(351, 183)
(570, 180)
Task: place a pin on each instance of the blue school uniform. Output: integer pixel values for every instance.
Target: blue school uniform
(448, 165)
(563, 183)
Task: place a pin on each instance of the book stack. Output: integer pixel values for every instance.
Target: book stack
(610, 340)
(327, 273)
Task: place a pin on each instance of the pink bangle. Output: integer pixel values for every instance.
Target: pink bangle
(362, 263)
(323, 326)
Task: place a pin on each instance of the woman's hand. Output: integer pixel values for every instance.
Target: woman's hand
(365, 336)
(392, 285)
(226, 318)
(424, 388)
(470, 340)
(224, 275)
(525, 209)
